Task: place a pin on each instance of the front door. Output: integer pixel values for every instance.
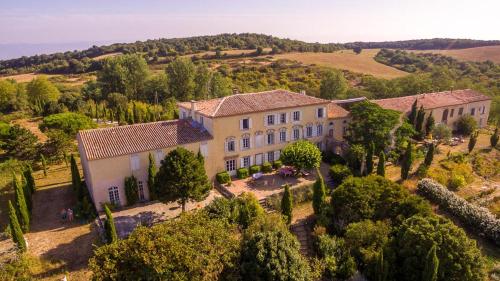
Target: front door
(231, 167)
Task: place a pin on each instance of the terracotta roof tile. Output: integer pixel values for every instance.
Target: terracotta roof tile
(432, 100)
(336, 111)
(252, 102)
(123, 140)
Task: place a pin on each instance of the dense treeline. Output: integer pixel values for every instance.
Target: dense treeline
(425, 44)
(81, 61)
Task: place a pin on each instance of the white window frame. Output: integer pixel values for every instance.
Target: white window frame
(246, 162)
(309, 131)
(319, 130)
(140, 190)
(242, 122)
(322, 110)
(270, 156)
(114, 195)
(281, 115)
(270, 117)
(230, 144)
(283, 135)
(296, 116)
(231, 165)
(296, 133)
(270, 141)
(245, 142)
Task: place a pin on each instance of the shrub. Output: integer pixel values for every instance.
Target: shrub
(338, 173)
(300, 194)
(68, 122)
(478, 218)
(223, 177)
(255, 169)
(336, 257)
(332, 158)
(302, 155)
(131, 190)
(277, 164)
(456, 182)
(422, 171)
(441, 132)
(267, 167)
(494, 138)
(466, 124)
(242, 173)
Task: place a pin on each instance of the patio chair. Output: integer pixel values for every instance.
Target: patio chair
(257, 176)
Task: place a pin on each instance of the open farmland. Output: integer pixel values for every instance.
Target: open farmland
(348, 60)
(470, 54)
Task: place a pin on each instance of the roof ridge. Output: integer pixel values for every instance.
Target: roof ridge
(219, 105)
(130, 125)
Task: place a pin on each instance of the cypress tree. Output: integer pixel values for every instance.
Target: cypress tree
(27, 193)
(494, 138)
(407, 161)
(109, 226)
(76, 180)
(413, 114)
(431, 265)
(369, 158)
(137, 117)
(381, 164)
(286, 205)
(319, 194)
(44, 165)
(151, 177)
(381, 267)
(21, 206)
(420, 122)
(472, 141)
(429, 124)
(429, 156)
(30, 180)
(15, 229)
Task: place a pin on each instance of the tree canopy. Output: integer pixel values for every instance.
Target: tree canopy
(333, 85)
(68, 122)
(302, 155)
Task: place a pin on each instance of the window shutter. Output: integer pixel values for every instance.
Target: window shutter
(265, 120)
(287, 115)
(250, 123)
(316, 110)
(325, 113)
(314, 131)
(276, 155)
(264, 157)
(251, 160)
(241, 124)
(242, 164)
(241, 144)
(225, 146)
(300, 115)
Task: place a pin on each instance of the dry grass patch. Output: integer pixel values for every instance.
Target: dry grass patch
(470, 54)
(347, 60)
(101, 57)
(27, 77)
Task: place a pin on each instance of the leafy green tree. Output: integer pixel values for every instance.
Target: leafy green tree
(156, 89)
(371, 123)
(381, 164)
(15, 228)
(151, 176)
(20, 143)
(287, 205)
(442, 79)
(40, 89)
(429, 156)
(466, 124)
(68, 122)
(336, 257)
(180, 75)
(30, 180)
(429, 124)
(355, 158)
(302, 155)
(472, 141)
(494, 138)
(44, 165)
(243, 210)
(192, 247)
(12, 96)
(319, 194)
(419, 125)
(109, 226)
(413, 113)
(338, 173)
(333, 85)
(431, 265)
(441, 132)
(21, 206)
(381, 267)
(369, 158)
(202, 80)
(407, 161)
(131, 190)
(220, 86)
(271, 252)
(182, 177)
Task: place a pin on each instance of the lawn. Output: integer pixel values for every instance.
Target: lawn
(347, 60)
(477, 54)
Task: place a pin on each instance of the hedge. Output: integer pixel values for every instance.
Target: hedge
(223, 177)
(254, 169)
(478, 218)
(242, 173)
(267, 167)
(277, 164)
(338, 173)
(299, 194)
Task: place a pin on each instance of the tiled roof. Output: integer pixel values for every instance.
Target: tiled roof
(123, 140)
(336, 111)
(432, 100)
(252, 102)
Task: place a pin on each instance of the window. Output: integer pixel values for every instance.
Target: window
(259, 139)
(258, 159)
(452, 112)
(230, 146)
(245, 162)
(231, 165)
(319, 129)
(184, 115)
(201, 120)
(482, 110)
(296, 116)
(114, 195)
(270, 120)
(140, 185)
(460, 111)
(283, 135)
(270, 137)
(245, 141)
(245, 124)
(296, 133)
(134, 162)
(270, 156)
(309, 131)
(472, 111)
(321, 112)
(282, 118)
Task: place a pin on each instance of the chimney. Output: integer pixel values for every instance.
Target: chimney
(193, 108)
(235, 91)
(303, 92)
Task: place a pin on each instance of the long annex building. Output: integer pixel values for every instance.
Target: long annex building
(237, 131)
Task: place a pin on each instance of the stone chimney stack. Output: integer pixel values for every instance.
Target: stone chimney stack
(303, 92)
(193, 108)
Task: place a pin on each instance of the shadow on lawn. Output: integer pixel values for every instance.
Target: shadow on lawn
(126, 224)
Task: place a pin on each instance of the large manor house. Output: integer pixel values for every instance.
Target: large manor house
(241, 130)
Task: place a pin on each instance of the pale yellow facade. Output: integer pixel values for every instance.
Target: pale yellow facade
(449, 115)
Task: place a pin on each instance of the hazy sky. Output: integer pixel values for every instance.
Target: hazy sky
(63, 21)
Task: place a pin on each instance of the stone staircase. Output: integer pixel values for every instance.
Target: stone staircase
(265, 206)
(302, 230)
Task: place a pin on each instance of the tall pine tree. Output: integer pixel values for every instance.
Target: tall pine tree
(30, 180)
(287, 205)
(151, 177)
(369, 158)
(419, 124)
(430, 155)
(472, 141)
(21, 206)
(431, 267)
(407, 161)
(429, 124)
(319, 194)
(15, 229)
(381, 164)
(109, 226)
